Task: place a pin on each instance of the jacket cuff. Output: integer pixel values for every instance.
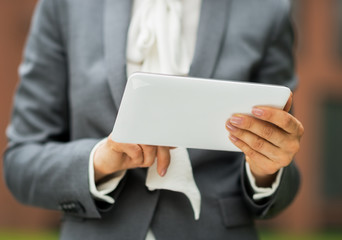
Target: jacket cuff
(257, 207)
(80, 202)
(279, 200)
(100, 191)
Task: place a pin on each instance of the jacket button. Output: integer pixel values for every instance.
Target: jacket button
(71, 207)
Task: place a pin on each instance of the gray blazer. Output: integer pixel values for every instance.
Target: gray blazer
(72, 80)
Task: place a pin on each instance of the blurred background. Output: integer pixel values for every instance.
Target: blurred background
(317, 211)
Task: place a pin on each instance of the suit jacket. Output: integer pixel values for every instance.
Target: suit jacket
(72, 80)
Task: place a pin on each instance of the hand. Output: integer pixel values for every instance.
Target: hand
(111, 157)
(269, 139)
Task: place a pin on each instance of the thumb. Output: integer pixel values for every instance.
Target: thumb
(289, 103)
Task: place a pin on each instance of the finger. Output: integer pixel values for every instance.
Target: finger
(289, 103)
(122, 147)
(135, 154)
(257, 143)
(163, 160)
(115, 146)
(278, 117)
(266, 165)
(263, 129)
(150, 154)
(132, 154)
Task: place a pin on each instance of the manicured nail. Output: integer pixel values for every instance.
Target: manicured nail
(236, 120)
(163, 173)
(233, 138)
(258, 112)
(231, 127)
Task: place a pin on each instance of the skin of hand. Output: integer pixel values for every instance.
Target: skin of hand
(269, 139)
(111, 157)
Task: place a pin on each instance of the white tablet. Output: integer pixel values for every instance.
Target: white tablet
(167, 110)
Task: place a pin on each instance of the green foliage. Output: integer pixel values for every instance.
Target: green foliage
(27, 235)
(329, 235)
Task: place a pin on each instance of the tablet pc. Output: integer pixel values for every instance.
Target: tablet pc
(188, 112)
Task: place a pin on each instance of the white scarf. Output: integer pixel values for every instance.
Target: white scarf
(155, 44)
(155, 38)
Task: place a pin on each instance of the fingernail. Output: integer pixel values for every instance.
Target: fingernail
(231, 127)
(233, 138)
(236, 120)
(163, 173)
(258, 112)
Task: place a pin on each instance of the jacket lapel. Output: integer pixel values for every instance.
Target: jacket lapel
(211, 31)
(117, 14)
(210, 36)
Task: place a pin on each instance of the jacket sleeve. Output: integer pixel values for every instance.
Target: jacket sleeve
(278, 64)
(277, 67)
(42, 166)
(284, 195)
